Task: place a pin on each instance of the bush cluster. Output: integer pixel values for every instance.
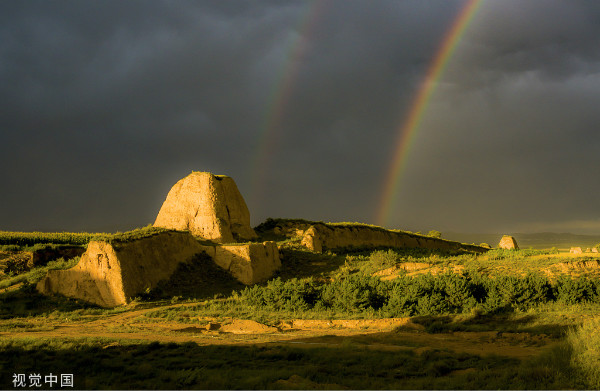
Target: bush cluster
(279, 295)
(577, 290)
(421, 295)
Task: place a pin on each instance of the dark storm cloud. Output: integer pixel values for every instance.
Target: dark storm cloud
(105, 96)
(105, 105)
(553, 39)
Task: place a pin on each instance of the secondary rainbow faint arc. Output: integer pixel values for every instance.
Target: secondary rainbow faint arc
(409, 126)
(279, 98)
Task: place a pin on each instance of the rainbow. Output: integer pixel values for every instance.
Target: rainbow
(270, 128)
(409, 126)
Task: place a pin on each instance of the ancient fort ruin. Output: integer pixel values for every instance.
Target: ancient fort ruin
(203, 213)
(206, 214)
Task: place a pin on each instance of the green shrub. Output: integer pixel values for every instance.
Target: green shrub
(399, 303)
(521, 293)
(461, 292)
(355, 293)
(381, 259)
(434, 234)
(431, 295)
(290, 295)
(571, 290)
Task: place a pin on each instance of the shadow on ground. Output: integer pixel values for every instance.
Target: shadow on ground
(319, 363)
(500, 322)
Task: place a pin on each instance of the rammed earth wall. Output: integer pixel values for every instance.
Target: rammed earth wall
(320, 237)
(112, 274)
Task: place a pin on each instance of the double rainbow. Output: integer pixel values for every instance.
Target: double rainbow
(408, 128)
(270, 129)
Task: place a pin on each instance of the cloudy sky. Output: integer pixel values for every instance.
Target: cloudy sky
(104, 105)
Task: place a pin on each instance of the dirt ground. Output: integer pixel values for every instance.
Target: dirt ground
(381, 334)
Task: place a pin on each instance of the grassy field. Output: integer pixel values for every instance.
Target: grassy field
(376, 319)
(104, 363)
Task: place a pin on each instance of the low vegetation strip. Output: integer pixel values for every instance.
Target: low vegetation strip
(129, 236)
(33, 238)
(30, 240)
(363, 296)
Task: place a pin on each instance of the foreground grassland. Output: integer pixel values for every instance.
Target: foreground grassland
(384, 319)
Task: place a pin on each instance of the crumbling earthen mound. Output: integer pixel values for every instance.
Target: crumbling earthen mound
(207, 205)
(112, 274)
(320, 237)
(243, 326)
(508, 243)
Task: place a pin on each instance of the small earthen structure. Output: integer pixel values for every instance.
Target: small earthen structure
(575, 250)
(209, 206)
(508, 242)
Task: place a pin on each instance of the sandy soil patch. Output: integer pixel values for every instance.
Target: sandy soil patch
(241, 326)
(415, 268)
(574, 268)
(362, 324)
